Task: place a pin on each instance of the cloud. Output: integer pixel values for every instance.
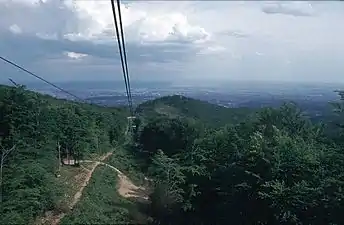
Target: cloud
(74, 39)
(259, 53)
(212, 50)
(93, 21)
(236, 34)
(51, 30)
(15, 29)
(289, 8)
(75, 55)
(37, 49)
(47, 36)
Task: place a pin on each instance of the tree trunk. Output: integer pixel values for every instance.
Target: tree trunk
(59, 148)
(1, 166)
(3, 156)
(68, 162)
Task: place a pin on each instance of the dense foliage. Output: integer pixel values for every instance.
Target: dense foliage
(177, 106)
(100, 204)
(33, 126)
(210, 164)
(274, 168)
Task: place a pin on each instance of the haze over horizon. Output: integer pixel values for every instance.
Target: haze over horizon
(174, 40)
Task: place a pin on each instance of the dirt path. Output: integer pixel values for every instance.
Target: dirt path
(78, 195)
(126, 188)
(52, 219)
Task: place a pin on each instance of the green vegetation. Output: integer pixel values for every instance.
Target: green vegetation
(123, 160)
(277, 167)
(209, 164)
(34, 126)
(177, 106)
(100, 203)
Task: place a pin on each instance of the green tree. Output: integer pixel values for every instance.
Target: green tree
(167, 197)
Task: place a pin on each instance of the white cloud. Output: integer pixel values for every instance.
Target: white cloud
(15, 29)
(31, 3)
(47, 36)
(75, 55)
(289, 8)
(224, 39)
(213, 49)
(259, 53)
(93, 20)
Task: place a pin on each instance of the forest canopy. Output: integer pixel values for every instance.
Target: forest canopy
(273, 167)
(32, 127)
(209, 164)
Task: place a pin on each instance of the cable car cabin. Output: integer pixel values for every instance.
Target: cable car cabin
(130, 119)
(131, 124)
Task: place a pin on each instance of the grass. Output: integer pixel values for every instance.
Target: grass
(71, 179)
(101, 203)
(125, 162)
(167, 111)
(67, 185)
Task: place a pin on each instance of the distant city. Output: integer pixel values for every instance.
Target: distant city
(227, 94)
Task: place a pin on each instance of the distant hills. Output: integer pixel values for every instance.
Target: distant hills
(180, 106)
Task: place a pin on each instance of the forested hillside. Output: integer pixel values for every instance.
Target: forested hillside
(276, 167)
(32, 129)
(178, 106)
(208, 164)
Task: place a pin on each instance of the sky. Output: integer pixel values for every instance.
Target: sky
(72, 40)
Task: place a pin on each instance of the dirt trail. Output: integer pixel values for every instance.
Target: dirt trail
(52, 219)
(126, 189)
(78, 195)
(129, 190)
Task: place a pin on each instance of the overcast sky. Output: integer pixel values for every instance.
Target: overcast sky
(169, 40)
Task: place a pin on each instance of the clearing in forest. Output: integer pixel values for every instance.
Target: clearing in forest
(80, 181)
(126, 188)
